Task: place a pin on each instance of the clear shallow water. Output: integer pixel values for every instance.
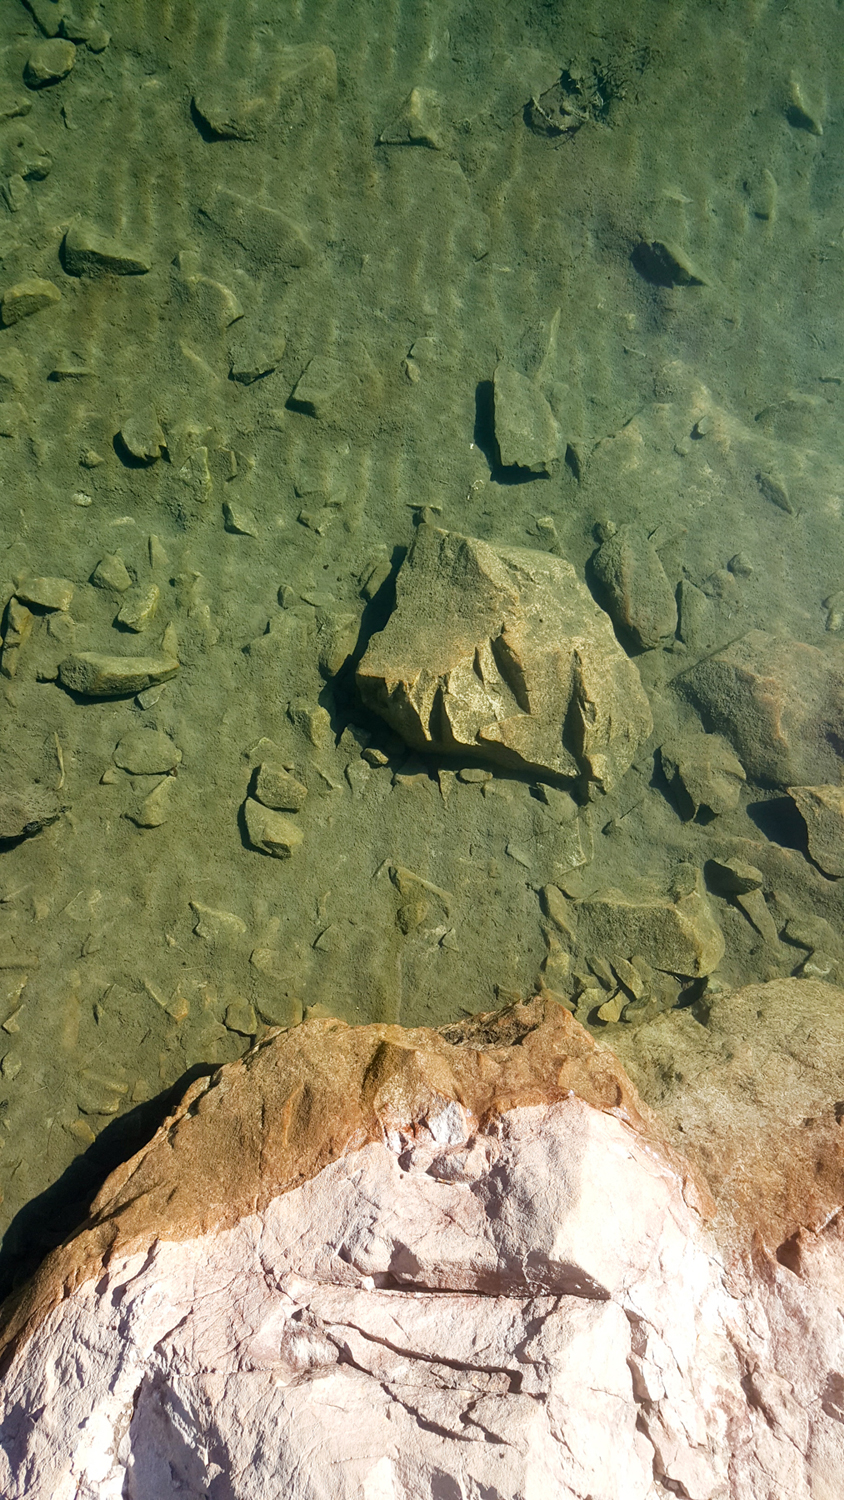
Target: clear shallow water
(133, 954)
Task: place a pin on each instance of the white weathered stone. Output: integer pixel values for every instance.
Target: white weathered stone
(377, 1264)
(535, 1310)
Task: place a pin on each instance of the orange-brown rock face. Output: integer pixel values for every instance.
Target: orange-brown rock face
(378, 1262)
(273, 1120)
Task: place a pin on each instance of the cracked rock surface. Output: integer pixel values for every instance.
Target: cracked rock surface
(502, 651)
(375, 1262)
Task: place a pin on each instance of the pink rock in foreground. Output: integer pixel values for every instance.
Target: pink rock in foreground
(430, 1267)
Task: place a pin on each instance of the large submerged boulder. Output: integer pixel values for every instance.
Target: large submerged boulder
(501, 652)
(383, 1262)
(780, 703)
(680, 936)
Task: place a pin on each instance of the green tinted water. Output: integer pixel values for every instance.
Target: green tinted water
(494, 214)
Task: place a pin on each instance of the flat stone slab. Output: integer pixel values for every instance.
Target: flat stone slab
(526, 430)
(503, 652)
(88, 252)
(99, 676)
(232, 114)
(147, 752)
(45, 593)
(264, 234)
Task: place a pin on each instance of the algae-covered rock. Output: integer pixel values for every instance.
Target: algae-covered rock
(270, 831)
(681, 937)
(27, 297)
(45, 593)
(146, 752)
(49, 62)
(25, 811)
(88, 252)
(822, 810)
(526, 429)
(704, 770)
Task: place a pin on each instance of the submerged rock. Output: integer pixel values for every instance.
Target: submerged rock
(231, 113)
(141, 435)
(681, 937)
(111, 572)
(822, 810)
(734, 877)
(275, 787)
(704, 770)
(27, 297)
(45, 593)
(270, 832)
(155, 808)
(88, 252)
(17, 628)
(779, 702)
(639, 595)
(335, 1274)
(503, 652)
(665, 264)
(253, 355)
(526, 429)
(96, 675)
(264, 235)
(139, 608)
(26, 811)
(146, 752)
(49, 62)
(418, 122)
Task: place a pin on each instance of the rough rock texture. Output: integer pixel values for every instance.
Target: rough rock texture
(779, 702)
(682, 936)
(639, 595)
(526, 429)
(703, 772)
(382, 1263)
(754, 1098)
(87, 252)
(503, 653)
(269, 831)
(99, 676)
(822, 810)
(26, 810)
(27, 297)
